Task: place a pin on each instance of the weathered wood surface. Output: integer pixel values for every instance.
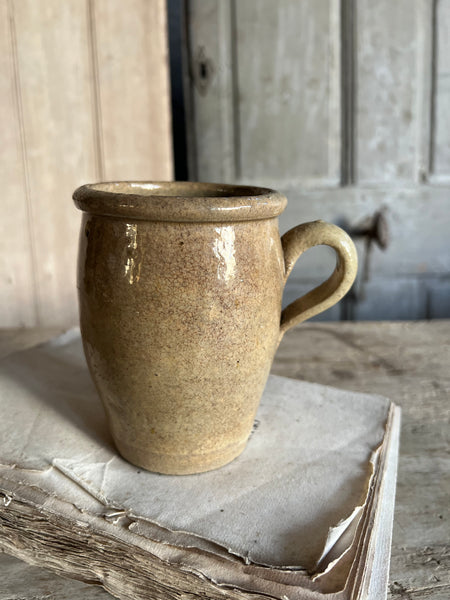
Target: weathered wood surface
(291, 128)
(85, 96)
(255, 113)
(440, 143)
(133, 89)
(347, 113)
(387, 47)
(410, 279)
(409, 362)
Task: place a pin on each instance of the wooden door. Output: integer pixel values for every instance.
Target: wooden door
(343, 105)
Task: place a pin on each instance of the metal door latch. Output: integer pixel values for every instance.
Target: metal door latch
(373, 230)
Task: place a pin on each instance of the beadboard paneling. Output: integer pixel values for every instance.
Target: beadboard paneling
(130, 50)
(17, 286)
(440, 145)
(85, 97)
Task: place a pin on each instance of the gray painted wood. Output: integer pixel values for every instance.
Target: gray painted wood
(211, 91)
(403, 299)
(438, 298)
(289, 113)
(440, 144)
(418, 218)
(256, 116)
(387, 50)
(385, 133)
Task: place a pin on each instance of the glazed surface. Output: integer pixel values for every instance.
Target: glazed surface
(180, 323)
(180, 201)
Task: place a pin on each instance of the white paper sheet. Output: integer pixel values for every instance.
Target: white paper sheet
(306, 467)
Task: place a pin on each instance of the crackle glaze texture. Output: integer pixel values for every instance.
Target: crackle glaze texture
(180, 288)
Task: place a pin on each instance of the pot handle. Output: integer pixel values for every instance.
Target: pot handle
(294, 243)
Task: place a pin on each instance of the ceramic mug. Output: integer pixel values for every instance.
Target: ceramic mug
(180, 288)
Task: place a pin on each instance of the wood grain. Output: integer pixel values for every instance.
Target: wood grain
(342, 106)
(213, 123)
(53, 64)
(440, 146)
(85, 96)
(130, 58)
(289, 117)
(259, 115)
(17, 285)
(387, 84)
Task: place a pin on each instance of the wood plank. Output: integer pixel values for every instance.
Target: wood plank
(287, 62)
(440, 148)
(54, 68)
(17, 289)
(438, 300)
(131, 57)
(425, 75)
(387, 113)
(212, 126)
(394, 299)
(412, 213)
(381, 299)
(410, 266)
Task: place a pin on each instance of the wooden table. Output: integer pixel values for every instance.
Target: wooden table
(410, 363)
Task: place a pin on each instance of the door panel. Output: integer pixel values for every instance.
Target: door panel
(288, 110)
(440, 142)
(344, 107)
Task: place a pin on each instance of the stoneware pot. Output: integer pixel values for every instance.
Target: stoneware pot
(180, 288)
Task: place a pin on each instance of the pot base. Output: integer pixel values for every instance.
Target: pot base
(179, 464)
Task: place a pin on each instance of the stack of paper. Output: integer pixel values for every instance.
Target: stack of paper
(305, 511)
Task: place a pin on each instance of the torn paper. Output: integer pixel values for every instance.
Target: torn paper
(305, 469)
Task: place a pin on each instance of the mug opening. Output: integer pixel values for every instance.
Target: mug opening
(177, 189)
(179, 201)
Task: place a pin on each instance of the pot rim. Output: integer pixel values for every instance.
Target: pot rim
(179, 201)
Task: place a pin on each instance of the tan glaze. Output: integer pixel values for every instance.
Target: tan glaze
(180, 288)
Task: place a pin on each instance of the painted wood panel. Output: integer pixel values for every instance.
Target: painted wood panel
(17, 298)
(54, 70)
(410, 279)
(85, 97)
(289, 112)
(440, 147)
(132, 83)
(386, 119)
(418, 219)
(387, 94)
(255, 116)
(211, 91)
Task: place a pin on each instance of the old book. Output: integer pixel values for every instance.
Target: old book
(304, 513)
